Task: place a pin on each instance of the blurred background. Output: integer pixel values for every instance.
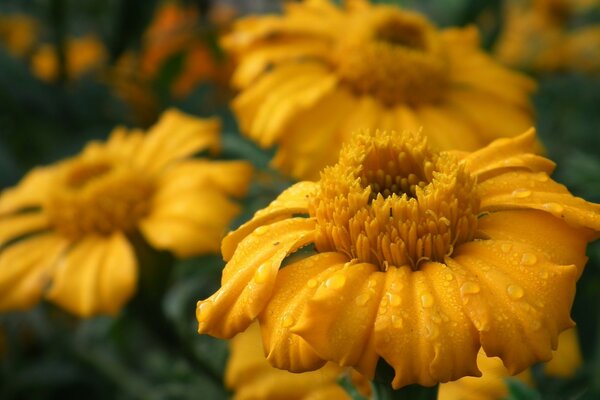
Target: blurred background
(72, 70)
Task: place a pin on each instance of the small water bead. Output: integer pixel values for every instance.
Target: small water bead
(448, 276)
(288, 321)
(372, 283)
(554, 208)
(469, 288)
(505, 247)
(362, 299)
(542, 177)
(521, 193)
(397, 322)
(395, 300)
(432, 331)
(426, 300)
(312, 283)
(262, 273)
(515, 292)
(261, 230)
(528, 259)
(336, 282)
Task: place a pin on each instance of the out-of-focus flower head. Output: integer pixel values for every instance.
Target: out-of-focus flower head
(65, 228)
(313, 75)
(18, 33)
(250, 376)
(538, 36)
(422, 258)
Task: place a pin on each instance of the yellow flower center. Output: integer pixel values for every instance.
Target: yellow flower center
(391, 201)
(98, 196)
(393, 55)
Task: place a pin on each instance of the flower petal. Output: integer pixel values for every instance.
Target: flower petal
(338, 320)
(284, 349)
(421, 329)
(249, 277)
(98, 276)
(31, 191)
(26, 268)
(518, 299)
(567, 359)
(526, 190)
(293, 200)
(16, 225)
(562, 243)
(446, 129)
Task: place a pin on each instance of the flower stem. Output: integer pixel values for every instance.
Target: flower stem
(382, 387)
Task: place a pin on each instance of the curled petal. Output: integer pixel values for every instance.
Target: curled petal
(526, 190)
(338, 320)
(248, 278)
(421, 329)
(517, 298)
(295, 285)
(293, 200)
(17, 225)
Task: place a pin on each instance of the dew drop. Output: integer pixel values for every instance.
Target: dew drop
(432, 331)
(262, 273)
(515, 292)
(554, 208)
(204, 311)
(395, 300)
(528, 259)
(336, 281)
(261, 230)
(469, 288)
(544, 274)
(521, 193)
(448, 276)
(505, 247)
(426, 300)
(542, 177)
(362, 299)
(312, 283)
(397, 322)
(287, 321)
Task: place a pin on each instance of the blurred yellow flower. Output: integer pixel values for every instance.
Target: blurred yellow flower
(18, 33)
(422, 258)
(537, 35)
(82, 55)
(250, 376)
(567, 359)
(66, 226)
(310, 77)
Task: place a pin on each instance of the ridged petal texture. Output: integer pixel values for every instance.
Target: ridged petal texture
(64, 230)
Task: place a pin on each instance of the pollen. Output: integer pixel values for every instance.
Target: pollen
(97, 196)
(394, 56)
(392, 201)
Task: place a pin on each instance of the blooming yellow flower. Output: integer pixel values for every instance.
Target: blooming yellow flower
(250, 376)
(422, 259)
(18, 33)
(67, 225)
(82, 55)
(310, 77)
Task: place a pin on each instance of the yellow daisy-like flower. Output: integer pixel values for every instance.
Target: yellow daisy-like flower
(312, 76)
(251, 377)
(67, 225)
(422, 259)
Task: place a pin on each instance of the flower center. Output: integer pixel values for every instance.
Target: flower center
(393, 55)
(391, 201)
(97, 196)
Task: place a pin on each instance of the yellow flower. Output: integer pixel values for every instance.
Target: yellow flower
(82, 55)
(422, 258)
(310, 77)
(72, 219)
(250, 376)
(18, 32)
(490, 386)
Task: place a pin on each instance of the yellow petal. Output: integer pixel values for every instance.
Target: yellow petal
(293, 200)
(338, 320)
(249, 277)
(124, 142)
(407, 119)
(567, 359)
(284, 349)
(504, 155)
(26, 268)
(527, 190)
(562, 243)
(31, 191)
(421, 329)
(98, 276)
(231, 177)
(176, 136)
(447, 130)
(518, 299)
(16, 225)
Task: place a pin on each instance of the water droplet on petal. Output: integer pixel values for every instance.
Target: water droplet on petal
(505, 247)
(260, 230)
(528, 259)
(337, 281)
(395, 300)
(515, 292)
(544, 274)
(554, 208)
(204, 311)
(542, 177)
(432, 331)
(362, 299)
(521, 193)
(288, 321)
(397, 322)
(469, 288)
(262, 273)
(448, 276)
(372, 283)
(312, 283)
(426, 300)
